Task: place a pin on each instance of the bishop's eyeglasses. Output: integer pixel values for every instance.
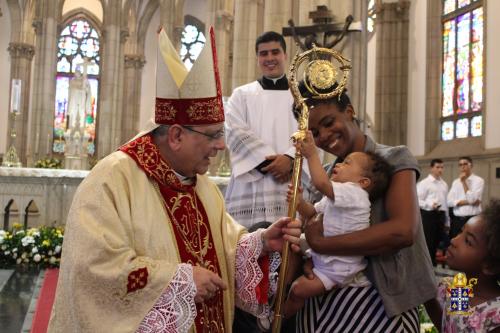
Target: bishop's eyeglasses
(215, 136)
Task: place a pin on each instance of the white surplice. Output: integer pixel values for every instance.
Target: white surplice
(259, 123)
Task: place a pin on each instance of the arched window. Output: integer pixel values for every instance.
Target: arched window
(462, 73)
(192, 40)
(78, 51)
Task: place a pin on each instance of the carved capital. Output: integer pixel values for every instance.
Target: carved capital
(21, 50)
(124, 34)
(393, 11)
(37, 26)
(134, 61)
(224, 20)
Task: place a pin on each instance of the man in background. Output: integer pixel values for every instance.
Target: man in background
(432, 192)
(465, 196)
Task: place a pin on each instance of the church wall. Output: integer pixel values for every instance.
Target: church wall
(93, 6)
(148, 87)
(492, 114)
(197, 9)
(5, 35)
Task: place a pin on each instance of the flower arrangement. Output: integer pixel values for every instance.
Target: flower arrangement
(49, 163)
(426, 326)
(36, 246)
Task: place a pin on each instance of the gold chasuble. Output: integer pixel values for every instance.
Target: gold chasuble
(189, 222)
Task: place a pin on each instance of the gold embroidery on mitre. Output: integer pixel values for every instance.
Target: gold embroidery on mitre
(205, 110)
(165, 110)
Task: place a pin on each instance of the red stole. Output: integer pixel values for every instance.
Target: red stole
(189, 222)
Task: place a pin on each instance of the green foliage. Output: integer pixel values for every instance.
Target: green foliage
(33, 247)
(426, 325)
(49, 163)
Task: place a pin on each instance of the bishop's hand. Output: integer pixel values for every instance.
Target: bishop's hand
(207, 284)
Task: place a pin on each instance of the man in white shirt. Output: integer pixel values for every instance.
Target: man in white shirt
(432, 193)
(465, 196)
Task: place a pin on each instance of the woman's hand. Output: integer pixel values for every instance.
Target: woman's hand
(314, 232)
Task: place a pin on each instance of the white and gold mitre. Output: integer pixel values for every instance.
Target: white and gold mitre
(187, 97)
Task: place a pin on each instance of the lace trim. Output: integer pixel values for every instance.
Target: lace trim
(249, 274)
(175, 310)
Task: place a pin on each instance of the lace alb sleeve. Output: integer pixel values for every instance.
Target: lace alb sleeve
(249, 274)
(175, 310)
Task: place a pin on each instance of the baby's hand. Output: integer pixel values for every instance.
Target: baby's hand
(289, 194)
(307, 147)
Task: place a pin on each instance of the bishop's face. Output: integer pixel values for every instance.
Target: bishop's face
(199, 144)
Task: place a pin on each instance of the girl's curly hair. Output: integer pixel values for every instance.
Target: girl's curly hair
(491, 216)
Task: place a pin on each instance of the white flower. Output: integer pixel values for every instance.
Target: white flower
(58, 249)
(27, 240)
(4, 247)
(34, 250)
(7, 252)
(14, 249)
(50, 252)
(33, 232)
(426, 327)
(37, 257)
(14, 255)
(19, 260)
(24, 255)
(52, 260)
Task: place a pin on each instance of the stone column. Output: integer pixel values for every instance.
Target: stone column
(433, 87)
(391, 96)
(21, 55)
(111, 89)
(248, 25)
(221, 18)
(43, 92)
(132, 96)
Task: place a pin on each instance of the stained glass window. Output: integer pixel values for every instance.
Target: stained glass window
(192, 41)
(370, 22)
(462, 75)
(77, 85)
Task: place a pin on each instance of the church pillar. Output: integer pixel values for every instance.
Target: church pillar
(111, 90)
(391, 90)
(221, 18)
(248, 25)
(21, 55)
(43, 92)
(132, 96)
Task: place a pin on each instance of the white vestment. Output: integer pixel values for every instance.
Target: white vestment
(259, 123)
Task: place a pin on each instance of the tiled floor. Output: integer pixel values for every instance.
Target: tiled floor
(18, 290)
(19, 293)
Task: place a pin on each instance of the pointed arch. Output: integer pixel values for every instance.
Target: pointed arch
(79, 39)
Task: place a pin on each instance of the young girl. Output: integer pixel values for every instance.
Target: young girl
(476, 252)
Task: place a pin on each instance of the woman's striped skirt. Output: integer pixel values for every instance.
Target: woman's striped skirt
(353, 309)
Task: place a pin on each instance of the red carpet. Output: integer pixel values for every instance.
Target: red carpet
(45, 301)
